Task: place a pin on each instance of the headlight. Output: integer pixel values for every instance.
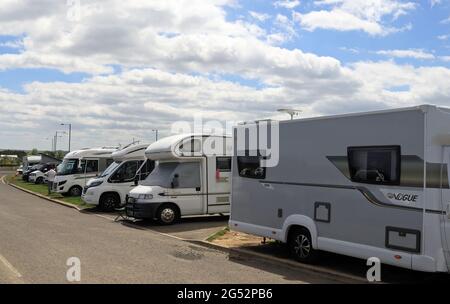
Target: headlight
(62, 183)
(145, 196)
(95, 184)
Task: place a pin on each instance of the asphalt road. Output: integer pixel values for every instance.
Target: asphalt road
(37, 237)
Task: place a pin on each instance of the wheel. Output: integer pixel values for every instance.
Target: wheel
(167, 214)
(75, 191)
(109, 201)
(300, 246)
(39, 180)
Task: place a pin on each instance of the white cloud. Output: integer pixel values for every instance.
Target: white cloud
(445, 58)
(353, 15)
(411, 53)
(446, 21)
(443, 37)
(435, 2)
(259, 16)
(289, 4)
(350, 50)
(175, 57)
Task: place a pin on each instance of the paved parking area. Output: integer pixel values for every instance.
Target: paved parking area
(190, 228)
(39, 236)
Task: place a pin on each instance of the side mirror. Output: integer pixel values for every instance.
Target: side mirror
(174, 183)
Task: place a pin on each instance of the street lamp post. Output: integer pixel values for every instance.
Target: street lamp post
(156, 134)
(56, 138)
(70, 132)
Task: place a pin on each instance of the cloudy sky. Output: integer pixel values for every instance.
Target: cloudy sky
(118, 69)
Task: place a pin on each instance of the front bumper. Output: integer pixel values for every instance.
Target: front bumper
(58, 187)
(90, 196)
(140, 210)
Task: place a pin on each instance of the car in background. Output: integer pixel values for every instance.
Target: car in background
(26, 173)
(19, 170)
(40, 175)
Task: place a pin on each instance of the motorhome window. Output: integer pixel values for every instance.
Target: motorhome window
(188, 175)
(146, 169)
(110, 168)
(223, 164)
(126, 172)
(161, 175)
(164, 173)
(68, 166)
(250, 166)
(109, 161)
(375, 165)
(91, 166)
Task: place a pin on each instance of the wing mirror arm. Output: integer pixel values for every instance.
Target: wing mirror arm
(174, 183)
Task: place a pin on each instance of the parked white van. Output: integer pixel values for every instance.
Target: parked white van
(109, 190)
(80, 166)
(192, 177)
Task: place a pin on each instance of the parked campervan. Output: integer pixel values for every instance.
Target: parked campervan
(191, 177)
(110, 189)
(365, 185)
(80, 166)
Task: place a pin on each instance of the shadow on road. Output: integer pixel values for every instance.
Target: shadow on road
(354, 266)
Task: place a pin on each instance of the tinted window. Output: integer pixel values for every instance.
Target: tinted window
(250, 166)
(146, 169)
(109, 161)
(91, 166)
(223, 164)
(68, 166)
(126, 172)
(374, 165)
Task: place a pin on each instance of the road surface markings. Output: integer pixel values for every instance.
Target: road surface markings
(3, 180)
(10, 267)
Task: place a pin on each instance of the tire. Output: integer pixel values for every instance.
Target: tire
(39, 180)
(300, 246)
(109, 201)
(167, 214)
(75, 191)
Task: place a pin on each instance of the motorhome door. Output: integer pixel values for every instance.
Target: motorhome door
(186, 188)
(219, 183)
(89, 167)
(445, 227)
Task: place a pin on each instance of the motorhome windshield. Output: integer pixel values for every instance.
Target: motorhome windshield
(111, 168)
(188, 175)
(161, 176)
(68, 166)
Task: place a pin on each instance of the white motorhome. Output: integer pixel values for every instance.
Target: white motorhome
(80, 166)
(109, 190)
(192, 177)
(365, 185)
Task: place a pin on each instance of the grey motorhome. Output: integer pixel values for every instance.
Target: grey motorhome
(365, 185)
